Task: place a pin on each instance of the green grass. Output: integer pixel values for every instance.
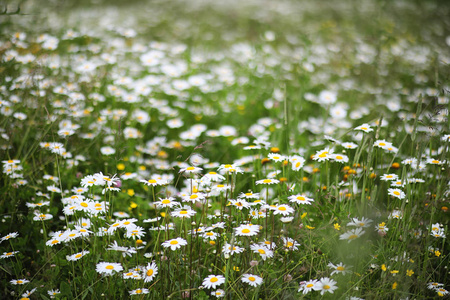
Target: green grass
(265, 69)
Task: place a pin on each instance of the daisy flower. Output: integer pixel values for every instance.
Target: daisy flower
(218, 293)
(268, 181)
(150, 271)
(297, 162)
(276, 157)
(363, 223)
(352, 234)
(174, 244)
(53, 293)
(283, 209)
(8, 254)
(230, 250)
(382, 144)
(300, 199)
(389, 177)
(11, 235)
(326, 285)
(252, 280)
(395, 214)
(339, 268)
(106, 268)
(308, 286)
(166, 202)
(185, 212)
(349, 145)
(364, 127)
(154, 182)
(19, 281)
(141, 291)
(290, 244)
(397, 193)
(240, 203)
(212, 281)
(339, 158)
(323, 155)
(189, 170)
(262, 250)
(76, 256)
(247, 230)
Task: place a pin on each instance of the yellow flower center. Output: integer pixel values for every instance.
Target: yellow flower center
(78, 256)
(340, 268)
(326, 287)
(251, 278)
(150, 272)
(261, 251)
(152, 181)
(84, 204)
(174, 242)
(109, 267)
(352, 237)
(245, 230)
(138, 291)
(282, 208)
(397, 193)
(165, 201)
(183, 212)
(310, 285)
(267, 181)
(190, 168)
(214, 279)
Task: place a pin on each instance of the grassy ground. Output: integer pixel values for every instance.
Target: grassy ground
(238, 149)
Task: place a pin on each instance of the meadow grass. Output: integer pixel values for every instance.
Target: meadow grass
(245, 150)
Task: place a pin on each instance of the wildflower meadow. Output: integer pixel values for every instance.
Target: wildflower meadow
(200, 149)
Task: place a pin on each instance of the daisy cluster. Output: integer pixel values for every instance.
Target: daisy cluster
(155, 159)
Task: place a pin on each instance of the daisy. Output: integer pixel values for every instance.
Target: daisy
(76, 256)
(174, 243)
(300, 199)
(389, 177)
(107, 268)
(8, 254)
(195, 197)
(339, 158)
(349, 145)
(352, 234)
(212, 281)
(396, 214)
(363, 223)
(397, 193)
(251, 279)
(141, 291)
(249, 195)
(218, 293)
(262, 250)
(323, 155)
(290, 244)
(247, 230)
(53, 293)
(190, 170)
(230, 250)
(167, 202)
(9, 236)
(268, 181)
(184, 212)
(364, 127)
(154, 182)
(339, 268)
(240, 203)
(150, 271)
(283, 209)
(19, 281)
(307, 286)
(326, 285)
(297, 162)
(382, 144)
(276, 157)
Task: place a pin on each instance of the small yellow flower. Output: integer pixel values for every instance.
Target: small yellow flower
(235, 268)
(437, 253)
(394, 271)
(383, 267)
(409, 272)
(337, 226)
(310, 227)
(163, 214)
(130, 192)
(394, 286)
(133, 205)
(303, 215)
(120, 167)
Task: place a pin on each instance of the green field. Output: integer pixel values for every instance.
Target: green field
(238, 149)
